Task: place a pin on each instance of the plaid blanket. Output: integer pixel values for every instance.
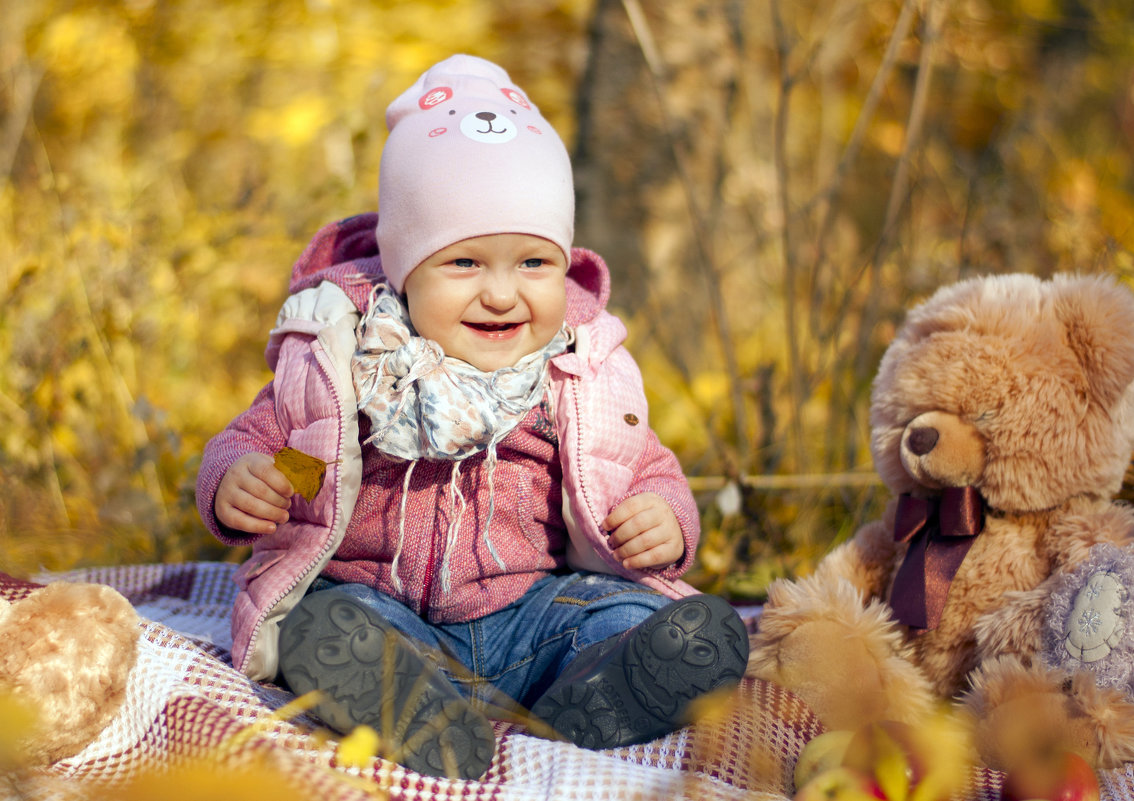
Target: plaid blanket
(185, 703)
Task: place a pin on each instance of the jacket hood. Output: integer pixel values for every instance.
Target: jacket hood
(344, 253)
(588, 287)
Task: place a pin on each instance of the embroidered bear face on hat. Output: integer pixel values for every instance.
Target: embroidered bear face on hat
(468, 155)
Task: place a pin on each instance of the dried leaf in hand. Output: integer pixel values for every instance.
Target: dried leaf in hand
(306, 473)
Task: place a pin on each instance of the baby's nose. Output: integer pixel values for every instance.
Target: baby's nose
(499, 293)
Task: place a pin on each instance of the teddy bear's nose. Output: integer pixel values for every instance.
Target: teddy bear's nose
(922, 440)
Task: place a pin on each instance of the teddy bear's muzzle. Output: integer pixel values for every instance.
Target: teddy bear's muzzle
(941, 450)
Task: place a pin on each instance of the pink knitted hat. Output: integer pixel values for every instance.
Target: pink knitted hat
(468, 155)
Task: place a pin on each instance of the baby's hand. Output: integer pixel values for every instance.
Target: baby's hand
(254, 495)
(644, 532)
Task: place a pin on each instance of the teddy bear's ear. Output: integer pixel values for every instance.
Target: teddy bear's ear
(1098, 315)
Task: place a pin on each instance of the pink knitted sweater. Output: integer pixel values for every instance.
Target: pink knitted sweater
(572, 459)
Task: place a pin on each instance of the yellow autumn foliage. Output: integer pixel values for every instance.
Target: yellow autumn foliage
(203, 780)
(161, 167)
(16, 717)
(358, 748)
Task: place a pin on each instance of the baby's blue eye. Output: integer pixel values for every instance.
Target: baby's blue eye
(533, 263)
(466, 263)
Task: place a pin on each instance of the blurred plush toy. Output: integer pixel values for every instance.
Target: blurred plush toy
(1089, 618)
(65, 652)
(1002, 420)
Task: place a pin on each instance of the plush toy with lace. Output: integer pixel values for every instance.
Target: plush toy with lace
(1089, 620)
(66, 652)
(1002, 421)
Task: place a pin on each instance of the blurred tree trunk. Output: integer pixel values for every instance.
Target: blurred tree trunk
(725, 168)
(654, 106)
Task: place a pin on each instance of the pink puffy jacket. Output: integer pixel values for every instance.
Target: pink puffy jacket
(601, 420)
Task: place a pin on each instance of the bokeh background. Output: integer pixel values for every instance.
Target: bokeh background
(773, 182)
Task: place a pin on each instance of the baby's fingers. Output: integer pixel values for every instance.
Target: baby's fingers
(650, 548)
(662, 554)
(632, 507)
(235, 518)
(254, 496)
(279, 489)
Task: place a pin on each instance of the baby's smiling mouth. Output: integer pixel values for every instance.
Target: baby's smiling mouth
(493, 328)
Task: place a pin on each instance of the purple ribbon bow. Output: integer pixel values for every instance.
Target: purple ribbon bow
(940, 532)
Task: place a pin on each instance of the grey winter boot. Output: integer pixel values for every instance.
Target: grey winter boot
(638, 686)
(370, 674)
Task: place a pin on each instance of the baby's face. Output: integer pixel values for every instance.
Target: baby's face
(490, 300)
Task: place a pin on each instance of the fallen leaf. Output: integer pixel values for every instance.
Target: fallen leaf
(305, 472)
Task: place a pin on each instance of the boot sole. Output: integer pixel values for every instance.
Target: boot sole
(369, 675)
(641, 689)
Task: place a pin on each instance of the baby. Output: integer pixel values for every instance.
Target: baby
(498, 518)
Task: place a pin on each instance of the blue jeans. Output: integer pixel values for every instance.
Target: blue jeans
(521, 649)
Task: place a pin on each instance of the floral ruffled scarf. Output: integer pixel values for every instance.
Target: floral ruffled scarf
(423, 404)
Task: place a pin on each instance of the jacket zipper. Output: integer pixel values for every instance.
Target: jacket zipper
(254, 635)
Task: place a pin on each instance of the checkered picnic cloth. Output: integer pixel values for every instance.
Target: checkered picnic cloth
(185, 702)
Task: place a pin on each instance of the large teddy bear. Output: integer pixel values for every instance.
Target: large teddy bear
(1002, 420)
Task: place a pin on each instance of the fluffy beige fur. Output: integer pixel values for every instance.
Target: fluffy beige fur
(1029, 386)
(67, 651)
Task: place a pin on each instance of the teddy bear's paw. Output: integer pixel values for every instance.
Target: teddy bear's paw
(1032, 728)
(832, 671)
(1109, 716)
(68, 649)
(792, 604)
(1023, 713)
(846, 661)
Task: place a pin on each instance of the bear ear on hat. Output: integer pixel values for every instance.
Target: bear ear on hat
(454, 69)
(1098, 315)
